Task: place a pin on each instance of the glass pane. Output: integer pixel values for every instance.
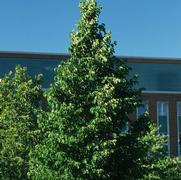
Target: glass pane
(162, 113)
(179, 123)
(162, 109)
(163, 124)
(125, 128)
(179, 143)
(178, 108)
(142, 109)
(165, 149)
(35, 66)
(158, 77)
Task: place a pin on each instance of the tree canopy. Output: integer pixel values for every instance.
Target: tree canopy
(85, 130)
(20, 98)
(90, 104)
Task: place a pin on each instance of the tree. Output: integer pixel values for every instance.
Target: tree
(166, 168)
(20, 98)
(89, 106)
(90, 103)
(151, 159)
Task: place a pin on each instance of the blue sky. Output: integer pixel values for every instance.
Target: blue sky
(150, 28)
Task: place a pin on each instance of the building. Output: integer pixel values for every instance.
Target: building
(161, 79)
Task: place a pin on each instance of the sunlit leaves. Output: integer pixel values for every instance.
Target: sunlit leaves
(20, 98)
(89, 106)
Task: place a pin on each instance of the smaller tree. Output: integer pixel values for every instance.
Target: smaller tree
(20, 98)
(165, 168)
(152, 161)
(142, 146)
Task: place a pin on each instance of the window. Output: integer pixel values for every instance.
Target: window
(163, 121)
(142, 109)
(125, 128)
(179, 126)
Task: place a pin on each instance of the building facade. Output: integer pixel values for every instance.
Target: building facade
(161, 79)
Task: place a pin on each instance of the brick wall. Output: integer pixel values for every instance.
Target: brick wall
(172, 99)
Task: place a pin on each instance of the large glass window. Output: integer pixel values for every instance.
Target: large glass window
(142, 109)
(163, 121)
(179, 126)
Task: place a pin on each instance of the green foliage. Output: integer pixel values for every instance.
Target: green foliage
(144, 147)
(81, 133)
(90, 102)
(88, 107)
(167, 168)
(154, 163)
(20, 98)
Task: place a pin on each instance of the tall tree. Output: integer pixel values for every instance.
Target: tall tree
(89, 107)
(20, 98)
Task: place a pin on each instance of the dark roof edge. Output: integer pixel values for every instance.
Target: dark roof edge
(151, 58)
(34, 55)
(39, 55)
